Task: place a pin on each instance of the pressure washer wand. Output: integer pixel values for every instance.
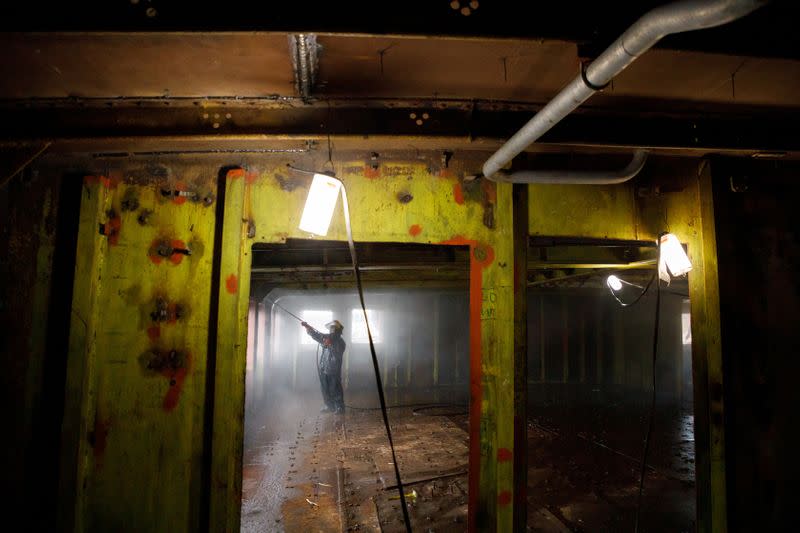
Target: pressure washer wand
(279, 306)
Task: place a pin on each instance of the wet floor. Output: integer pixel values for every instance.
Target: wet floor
(584, 465)
(324, 472)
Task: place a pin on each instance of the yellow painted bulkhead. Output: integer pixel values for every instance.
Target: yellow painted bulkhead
(133, 438)
(128, 442)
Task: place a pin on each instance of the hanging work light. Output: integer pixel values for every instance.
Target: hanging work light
(673, 261)
(614, 283)
(320, 204)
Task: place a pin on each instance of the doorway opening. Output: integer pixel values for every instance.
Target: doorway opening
(589, 390)
(304, 468)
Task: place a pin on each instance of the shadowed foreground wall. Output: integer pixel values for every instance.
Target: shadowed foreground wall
(759, 263)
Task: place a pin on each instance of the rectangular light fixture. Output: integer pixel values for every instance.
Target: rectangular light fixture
(674, 261)
(320, 204)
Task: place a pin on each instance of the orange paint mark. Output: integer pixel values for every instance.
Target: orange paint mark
(458, 193)
(481, 256)
(415, 230)
(372, 173)
(176, 258)
(504, 455)
(235, 173)
(176, 378)
(178, 200)
(504, 498)
(153, 332)
(232, 284)
(250, 177)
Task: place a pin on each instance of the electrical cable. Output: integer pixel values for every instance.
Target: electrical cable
(644, 291)
(378, 380)
(376, 367)
(651, 415)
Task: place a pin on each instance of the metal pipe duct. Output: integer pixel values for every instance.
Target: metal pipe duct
(576, 177)
(653, 26)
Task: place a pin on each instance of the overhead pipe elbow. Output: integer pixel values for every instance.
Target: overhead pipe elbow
(641, 36)
(576, 177)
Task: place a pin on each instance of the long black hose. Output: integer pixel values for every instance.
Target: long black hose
(378, 380)
(651, 414)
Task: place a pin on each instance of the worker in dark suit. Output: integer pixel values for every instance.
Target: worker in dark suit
(330, 364)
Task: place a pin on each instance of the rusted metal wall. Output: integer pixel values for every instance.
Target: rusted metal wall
(38, 221)
(759, 260)
(582, 339)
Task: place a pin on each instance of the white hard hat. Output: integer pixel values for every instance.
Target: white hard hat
(335, 325)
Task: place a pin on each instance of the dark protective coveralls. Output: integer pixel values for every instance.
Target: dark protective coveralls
(330, 367)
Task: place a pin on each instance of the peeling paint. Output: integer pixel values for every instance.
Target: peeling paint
(404, 197)
(130, 200)
(288, 184)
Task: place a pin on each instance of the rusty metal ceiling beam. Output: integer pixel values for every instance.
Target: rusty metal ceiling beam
(221, 120)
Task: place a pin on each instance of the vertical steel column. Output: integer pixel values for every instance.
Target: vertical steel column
(520, 229)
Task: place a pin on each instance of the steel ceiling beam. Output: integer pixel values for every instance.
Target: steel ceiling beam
(769, 131)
